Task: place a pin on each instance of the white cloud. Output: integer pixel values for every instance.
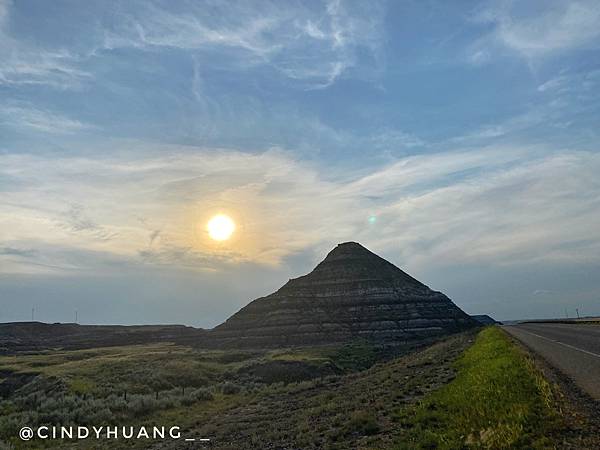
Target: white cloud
(553, 84)
(498, 206)
(154, 26)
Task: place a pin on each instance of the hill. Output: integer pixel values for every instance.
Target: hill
(351, 294)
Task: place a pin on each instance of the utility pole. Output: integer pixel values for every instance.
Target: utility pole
(577, 310)
(75, 316)
(32, 313)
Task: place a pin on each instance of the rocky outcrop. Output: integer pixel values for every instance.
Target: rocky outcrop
(351, 294)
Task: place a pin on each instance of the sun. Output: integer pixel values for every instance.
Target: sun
(220, 227)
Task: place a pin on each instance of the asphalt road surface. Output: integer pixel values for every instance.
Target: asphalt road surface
(573, 349)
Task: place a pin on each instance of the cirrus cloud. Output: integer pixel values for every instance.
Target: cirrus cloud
(498, 205)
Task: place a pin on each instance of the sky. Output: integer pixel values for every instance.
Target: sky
(458, 140)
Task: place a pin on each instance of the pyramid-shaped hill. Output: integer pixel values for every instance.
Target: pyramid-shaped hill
(351, 294)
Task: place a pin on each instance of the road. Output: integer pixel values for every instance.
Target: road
(571, 348)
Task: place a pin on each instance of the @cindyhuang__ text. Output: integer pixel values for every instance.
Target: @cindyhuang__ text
(81, 432)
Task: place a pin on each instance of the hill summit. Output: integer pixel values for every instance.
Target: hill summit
(352, 293)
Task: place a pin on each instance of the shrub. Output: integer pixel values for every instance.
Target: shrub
(229, 388)
(363, 423)
(202, 394)
(81, 386)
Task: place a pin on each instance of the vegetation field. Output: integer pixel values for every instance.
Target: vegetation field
(468, 391)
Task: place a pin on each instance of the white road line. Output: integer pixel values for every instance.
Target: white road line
(561, 343)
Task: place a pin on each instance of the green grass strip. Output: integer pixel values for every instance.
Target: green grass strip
(497, 400)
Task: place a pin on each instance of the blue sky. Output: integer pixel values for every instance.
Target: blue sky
(467, 131)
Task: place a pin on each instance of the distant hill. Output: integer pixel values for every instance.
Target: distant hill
(484, 319)
(35, 336)
(352, 293)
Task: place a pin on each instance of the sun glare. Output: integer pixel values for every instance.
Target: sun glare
(220, 227)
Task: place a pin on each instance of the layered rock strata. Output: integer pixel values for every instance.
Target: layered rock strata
(351, 294)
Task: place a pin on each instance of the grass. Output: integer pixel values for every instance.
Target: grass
(497, 400)
(357, 355)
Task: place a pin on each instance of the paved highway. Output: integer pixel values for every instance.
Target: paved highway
(573, 349)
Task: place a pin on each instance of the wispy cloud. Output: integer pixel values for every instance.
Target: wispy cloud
(537, 29)
(512, 125)
(27, 117)
(315, 43)
(39, 67)
(568, 82)
(22, 63)
(557, 101)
